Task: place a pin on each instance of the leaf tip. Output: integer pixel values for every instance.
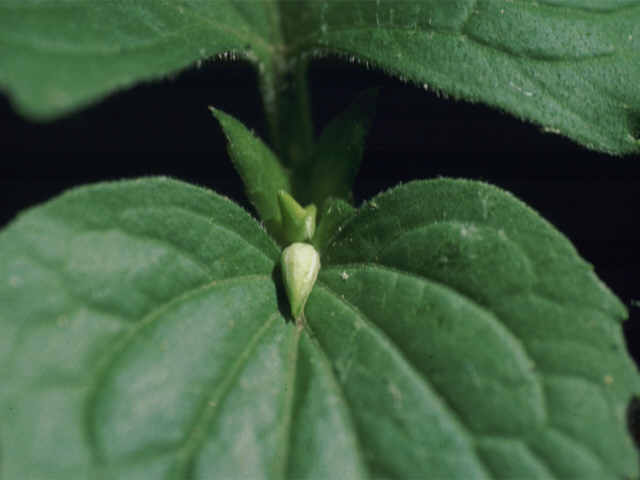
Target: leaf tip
(216, 112)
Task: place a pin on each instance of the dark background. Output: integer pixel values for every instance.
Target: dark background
(165, 128)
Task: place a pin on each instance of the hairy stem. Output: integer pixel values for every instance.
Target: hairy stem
(285, 93)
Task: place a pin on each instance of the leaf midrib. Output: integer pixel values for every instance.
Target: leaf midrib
(415, 374)
(339, 392)
(210, 408)
(283, 452)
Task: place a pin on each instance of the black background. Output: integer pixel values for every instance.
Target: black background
(165, 128)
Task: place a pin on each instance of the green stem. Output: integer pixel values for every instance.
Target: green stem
(285, 94)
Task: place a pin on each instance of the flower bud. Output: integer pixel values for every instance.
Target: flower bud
(300, 266)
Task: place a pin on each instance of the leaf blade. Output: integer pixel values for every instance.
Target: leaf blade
(334, 213)
(199, 377)
(260, 169)
(568, 66)
(393, 430)
(338, 152)
(493, 253)
(86, 324)
(89, 49)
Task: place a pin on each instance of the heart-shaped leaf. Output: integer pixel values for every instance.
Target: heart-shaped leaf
(572, 66)
(452, 333)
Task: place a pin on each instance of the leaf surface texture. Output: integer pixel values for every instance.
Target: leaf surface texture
(571, 66)
(454, 302)
(142, 337)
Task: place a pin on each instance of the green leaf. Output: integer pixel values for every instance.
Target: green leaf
(261, 171)
(102, 291)
(571, 66)
(59, 55)
(268, 183)
(333, 214)
(298, 222)
(452, 334)
(338, 152)
(140, 338)
(470, 332)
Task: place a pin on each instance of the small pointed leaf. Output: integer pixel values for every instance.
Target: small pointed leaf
(261, 171)
(298, 222)
(338, 152)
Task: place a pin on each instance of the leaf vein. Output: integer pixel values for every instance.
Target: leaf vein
(194, 440)
(108, 360)
(387, 342)
(516, 342)
(339, 392)
(493, 315)
(282, 458)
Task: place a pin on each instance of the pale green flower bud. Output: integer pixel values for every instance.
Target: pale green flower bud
(300, 266)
